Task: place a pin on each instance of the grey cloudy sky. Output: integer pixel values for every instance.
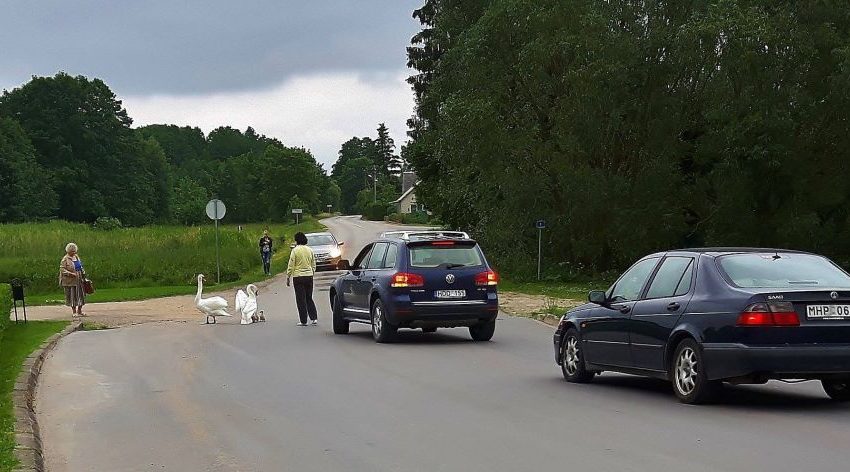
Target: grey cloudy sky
(312, 73)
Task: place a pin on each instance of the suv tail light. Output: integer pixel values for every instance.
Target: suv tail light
(404, 279)
(769, 314)
(484, 279)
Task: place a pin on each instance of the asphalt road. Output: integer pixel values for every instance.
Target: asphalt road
(275, 397)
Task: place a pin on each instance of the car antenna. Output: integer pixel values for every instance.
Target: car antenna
(776, 256)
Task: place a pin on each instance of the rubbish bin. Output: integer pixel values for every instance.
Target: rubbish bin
(18, 296)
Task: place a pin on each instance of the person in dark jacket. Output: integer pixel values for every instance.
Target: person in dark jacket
(266, 244)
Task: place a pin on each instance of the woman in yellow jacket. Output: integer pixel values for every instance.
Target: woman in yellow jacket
(299, 272)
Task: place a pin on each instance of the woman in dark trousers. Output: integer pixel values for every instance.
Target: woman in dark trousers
(299, 272)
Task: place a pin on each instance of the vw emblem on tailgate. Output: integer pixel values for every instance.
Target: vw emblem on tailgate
(450, 278)
(834, 295)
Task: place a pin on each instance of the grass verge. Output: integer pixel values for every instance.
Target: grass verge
(18, 341)
(569, 290)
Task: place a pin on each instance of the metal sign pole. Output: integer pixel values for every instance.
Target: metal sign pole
(216, 210)
(539, 251)
(217, 251)
(541, 225)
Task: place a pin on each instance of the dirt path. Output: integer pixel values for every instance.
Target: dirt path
(115, 314)
(182, 308)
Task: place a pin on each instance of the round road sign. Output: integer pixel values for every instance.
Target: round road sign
(216, 209)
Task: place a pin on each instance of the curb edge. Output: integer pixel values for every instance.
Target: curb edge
(28, 448)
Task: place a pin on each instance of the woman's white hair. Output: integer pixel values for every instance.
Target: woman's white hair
(70, 247)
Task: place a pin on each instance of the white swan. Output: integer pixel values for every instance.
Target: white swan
(246, 305)
(212, 307)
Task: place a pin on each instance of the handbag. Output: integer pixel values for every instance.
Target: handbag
(88, 286)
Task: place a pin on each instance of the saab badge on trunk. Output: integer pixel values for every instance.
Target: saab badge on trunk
(834, 295)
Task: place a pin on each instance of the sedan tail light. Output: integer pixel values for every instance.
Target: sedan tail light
(404, 279)
(484, 279)
(769, 314)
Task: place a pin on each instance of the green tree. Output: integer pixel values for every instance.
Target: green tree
(188, 202)
(385, 157)
(82, 136)
(25, 188)
(634, 126)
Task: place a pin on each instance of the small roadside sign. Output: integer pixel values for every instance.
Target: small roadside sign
(540, 224)
(297, 211)
(216, 209)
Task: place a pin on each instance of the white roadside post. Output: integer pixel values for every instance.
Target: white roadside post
(216, 211)
(541, 225)
(297, 212)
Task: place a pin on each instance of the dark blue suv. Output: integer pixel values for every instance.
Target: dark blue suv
(425, 281)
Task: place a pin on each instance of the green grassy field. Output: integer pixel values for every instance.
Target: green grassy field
(16, 343)
(137, 263)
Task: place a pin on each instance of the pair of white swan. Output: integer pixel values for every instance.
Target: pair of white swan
(213, 307)
(246, 305)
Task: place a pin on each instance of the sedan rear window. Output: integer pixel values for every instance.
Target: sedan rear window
(445, 256)
(782, 270)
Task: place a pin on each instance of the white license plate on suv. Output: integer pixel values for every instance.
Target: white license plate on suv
(828, 312)
(450, 294)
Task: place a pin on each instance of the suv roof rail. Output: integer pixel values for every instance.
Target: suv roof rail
(408, 235)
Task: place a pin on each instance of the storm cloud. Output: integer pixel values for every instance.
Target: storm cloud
(310, 73)
(197, 47)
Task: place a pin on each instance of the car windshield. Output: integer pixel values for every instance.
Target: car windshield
(445, 256)
(320, 240)
(782, 270)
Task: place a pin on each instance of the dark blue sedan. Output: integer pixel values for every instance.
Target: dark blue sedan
(701, 317)
(426, 281)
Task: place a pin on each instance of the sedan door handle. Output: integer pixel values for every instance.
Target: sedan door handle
(625, 309)
(673, 306)
(374, 279)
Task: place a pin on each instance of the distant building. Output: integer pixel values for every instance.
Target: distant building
(407, 202)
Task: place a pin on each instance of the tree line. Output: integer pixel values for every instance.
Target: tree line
(368, 172)
(67, 150)
(634, 126)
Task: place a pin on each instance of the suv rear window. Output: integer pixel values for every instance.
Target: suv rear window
(445, 256)
(782, 270)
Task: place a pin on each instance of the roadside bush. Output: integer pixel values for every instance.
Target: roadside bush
(395, 217)
(107, 223)
(376, 211)
(418, 218)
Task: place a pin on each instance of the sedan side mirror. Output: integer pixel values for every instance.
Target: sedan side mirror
(343, 264)
(341, 243)
(598, 297)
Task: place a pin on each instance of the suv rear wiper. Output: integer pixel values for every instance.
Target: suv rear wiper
(454, 266)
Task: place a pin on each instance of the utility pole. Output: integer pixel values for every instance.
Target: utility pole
(374, 177)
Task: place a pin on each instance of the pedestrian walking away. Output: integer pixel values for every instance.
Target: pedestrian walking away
(299, 274)
(71, 277)
(266, 245)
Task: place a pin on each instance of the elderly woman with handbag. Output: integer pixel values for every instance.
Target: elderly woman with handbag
(72, 277)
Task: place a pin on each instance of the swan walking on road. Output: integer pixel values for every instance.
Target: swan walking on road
(246, 304)
(211, 307)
